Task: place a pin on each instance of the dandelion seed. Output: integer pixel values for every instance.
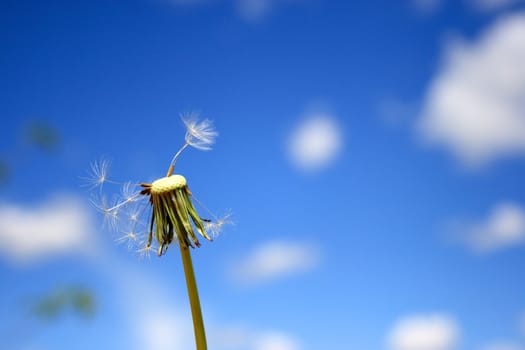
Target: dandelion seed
(131, 238)
(99, 174)
(112, 218)
(215, 227)
(130, 192)
(199, 134)
(112, 214)
(101, 204)
(136, 213)
(134, 217)
(145, 252)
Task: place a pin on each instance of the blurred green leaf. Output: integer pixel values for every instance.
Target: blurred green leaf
(84, 302)
(42, 135)
(50, 306)
(53, 305)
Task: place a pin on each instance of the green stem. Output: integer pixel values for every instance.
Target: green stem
(198, 323)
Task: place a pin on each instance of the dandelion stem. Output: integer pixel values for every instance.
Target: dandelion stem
(175, 157)
(191, 283)
(193, 294)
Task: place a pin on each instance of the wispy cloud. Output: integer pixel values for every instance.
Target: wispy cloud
(503, 345)
(521, 323)
(154, 314)
(424, 332)
(159, 319)
(395, 112)
(276, 259)
(427, 7)
(60, 225)
(247, 10)
(315, 142)
(474, 106)
(244, 338)
(254, 10)
(275, 341)
(188, 2)
(162, 329)
(504, 227)
(492, 5)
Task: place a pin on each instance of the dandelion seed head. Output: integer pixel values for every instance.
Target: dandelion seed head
(199, 134)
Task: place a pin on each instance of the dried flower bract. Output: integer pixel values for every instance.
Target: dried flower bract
(171, 212)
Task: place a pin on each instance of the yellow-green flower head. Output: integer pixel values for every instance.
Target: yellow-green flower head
(167, 184)
(171, 212)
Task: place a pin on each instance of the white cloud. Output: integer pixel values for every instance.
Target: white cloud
(243, 338)
(160, 328)
(424, 332)
(316, 142)
(154, 314)
(276, 259)
(503, 345)
(504, 227)
(160, 319)
(275, 341)
(60, 225)
(231, 337)
(475, 105)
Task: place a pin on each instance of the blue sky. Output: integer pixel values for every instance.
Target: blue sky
(372, 154)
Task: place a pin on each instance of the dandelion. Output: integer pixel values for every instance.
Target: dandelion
(173, 217)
